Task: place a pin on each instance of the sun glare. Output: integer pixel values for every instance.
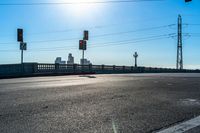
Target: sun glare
(81, 8)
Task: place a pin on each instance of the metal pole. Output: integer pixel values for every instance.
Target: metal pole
(135, 56)
(22, 65)
(135, 61)
(82, 62)
(83, 58)
(22, 56)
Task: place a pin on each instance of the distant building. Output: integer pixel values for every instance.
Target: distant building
(85, 62)
(70, 59)
(59, 61)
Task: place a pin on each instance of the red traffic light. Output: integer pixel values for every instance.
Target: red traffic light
(82, 44)
(20, 35)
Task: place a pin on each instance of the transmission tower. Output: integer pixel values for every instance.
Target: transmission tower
(179, 62)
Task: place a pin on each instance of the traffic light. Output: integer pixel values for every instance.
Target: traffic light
(82, 45)
(188, 0)
(86, 35)
(20, 35)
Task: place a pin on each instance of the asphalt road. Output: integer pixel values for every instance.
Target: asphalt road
(123, 103)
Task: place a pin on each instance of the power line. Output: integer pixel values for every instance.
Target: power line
(89, 27)
(130, 40)
(131, 31)
(192, 34)
(134, 41)
(113, 43)
(55, 50)
(193, 24)
(98, 26)
(122, 41)
(97, 36)
(75, 3)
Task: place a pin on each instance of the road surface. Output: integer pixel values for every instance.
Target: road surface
(118, 103)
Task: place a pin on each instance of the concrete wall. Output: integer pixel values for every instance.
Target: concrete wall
(17, 69)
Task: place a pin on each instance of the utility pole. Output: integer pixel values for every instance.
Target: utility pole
(135, 56)
(179, 61)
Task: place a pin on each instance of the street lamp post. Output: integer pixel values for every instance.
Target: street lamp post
(135, 56)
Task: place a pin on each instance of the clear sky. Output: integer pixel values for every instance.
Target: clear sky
(117, 30)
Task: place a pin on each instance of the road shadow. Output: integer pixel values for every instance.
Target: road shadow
(87, 76)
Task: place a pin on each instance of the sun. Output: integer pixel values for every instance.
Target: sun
(81, 8)
(80, 12)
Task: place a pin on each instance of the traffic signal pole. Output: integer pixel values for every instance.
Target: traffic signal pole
(22, 56)
(20, 40)
(83, 57)
(83, 45)
(23, 46)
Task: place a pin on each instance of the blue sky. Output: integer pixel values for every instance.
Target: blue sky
(54, 31)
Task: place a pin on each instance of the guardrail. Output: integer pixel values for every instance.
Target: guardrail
(32, 69)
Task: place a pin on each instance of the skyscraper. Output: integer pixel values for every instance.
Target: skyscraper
(70, 59)
(59, 61)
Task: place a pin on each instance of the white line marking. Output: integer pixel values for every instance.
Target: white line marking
(182, 127)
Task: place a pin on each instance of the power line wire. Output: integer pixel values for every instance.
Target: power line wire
(121, 41)
(97, 36)
(98, 26)
(105, 43)
(55, 50)
(138, 30)
(75, 3)
(193, 24)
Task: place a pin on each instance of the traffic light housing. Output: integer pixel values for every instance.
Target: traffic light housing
(188, 0)
(20, 35)
(86, 35)
(82, 45)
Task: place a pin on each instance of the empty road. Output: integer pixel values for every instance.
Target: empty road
(118, 103)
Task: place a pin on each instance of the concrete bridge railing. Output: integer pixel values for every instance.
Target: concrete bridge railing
(33, 69)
